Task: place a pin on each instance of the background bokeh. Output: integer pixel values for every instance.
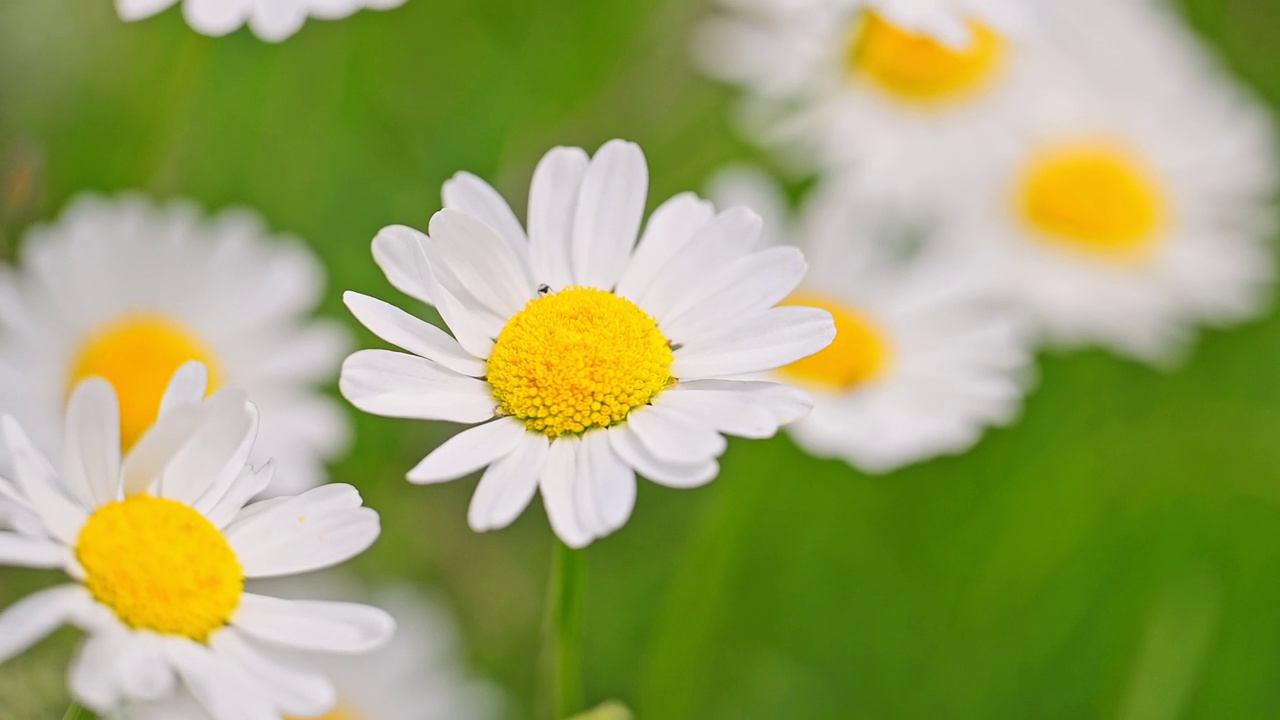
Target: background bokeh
(1116, 553)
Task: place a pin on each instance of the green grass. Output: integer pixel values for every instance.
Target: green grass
(1116, 553)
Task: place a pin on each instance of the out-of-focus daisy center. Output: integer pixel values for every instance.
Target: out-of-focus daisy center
(918, 68)
(342, 712)
(860, 352)
(578, 359)
(161, 566)
(138, 355)
(1092, 196)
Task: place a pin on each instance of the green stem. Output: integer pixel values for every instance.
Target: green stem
(76, 712)
(564, 632)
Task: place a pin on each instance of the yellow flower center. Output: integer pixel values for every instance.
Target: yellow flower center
(917, 68)
(578, 359)
(1091, 196)
(859, 354)
(161, 566)
(138, 355)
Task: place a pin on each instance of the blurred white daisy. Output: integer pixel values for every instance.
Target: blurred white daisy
(586, 359)
(270, 20)
(128, 290)
(1142, 205)
(158, 546)
(927, 354)
(909, 90)
(416, 676)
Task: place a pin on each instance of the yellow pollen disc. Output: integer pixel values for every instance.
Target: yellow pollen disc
(161, 566)
(578, 359)
(1091, 196)
(138, 355)
(917, 68)
(860, 352)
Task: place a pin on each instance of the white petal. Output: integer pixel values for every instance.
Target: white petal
(719, 242)
(508, 484)
(553, 203)
(406, 386)
(417, 336)
(748, 286)
(670, 227)
(94, 680)
(664, 472)
(475, 197)
(748, 409)
(321, 527)
(482, 263)
(469, 451)
(142, 667)
(556, 483)
(332, 627)
(188, 386)
(473, 331)
(25, 551)
(147, 460)
(215, 454)
(62, 517)
(93, 442)
(215, 18)
(277, 21)
(138, 9)
(675, 437)
(611, 481)
(610, 208)
(295, 691)
(222, 509)
(397, 250)
(27, 621)
(765, 342)
(224, 689)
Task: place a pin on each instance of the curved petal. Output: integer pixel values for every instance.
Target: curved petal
(321, 527)
(469, 194)
(315, 625)
(223, 508)
(482, 263)
(556, 483)
(717, 243)
(395, 384)
(94, 677)
(397, 250)
(93, 442)
(765, 342)
(297, 692)
(664, 472)
(417, 336)
(610, 481)
(670, 227)
(746, 287)
(750, 409)
(469, 451)
(508, 484)
(39, 485)
(25, 551)
(224, 689)
(553, 203)
(215, 454)
(188, 386)
(607, 218)
(675, 437)
(30, 619)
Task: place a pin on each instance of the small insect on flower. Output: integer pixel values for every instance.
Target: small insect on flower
(158, 546)
(632, 365)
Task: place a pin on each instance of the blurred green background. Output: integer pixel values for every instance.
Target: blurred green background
(1116, 553)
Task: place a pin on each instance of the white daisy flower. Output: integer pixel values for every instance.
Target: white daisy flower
(1142, 205)
(909, 90)
(270, 20)
(586, 359)
(927, 354)
(158, 546)
(128, 290)
(416, 676)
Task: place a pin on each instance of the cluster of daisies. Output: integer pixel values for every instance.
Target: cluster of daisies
(992, 176)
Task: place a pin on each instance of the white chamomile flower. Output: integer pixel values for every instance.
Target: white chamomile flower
(128, 290)
(416, 676)
(1142, 205)
(270, 20)
(909, 90)
(587, 356)
(927, 355)
(158, 546)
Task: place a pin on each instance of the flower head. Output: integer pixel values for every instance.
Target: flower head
(583, 356)
(158, 545)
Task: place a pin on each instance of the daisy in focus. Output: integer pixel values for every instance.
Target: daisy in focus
(128, 290)
(270, 20)
(416, 676)
(583, 356)
(1140, 207)
(911, 91)
(158, 545)
(927, 354)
